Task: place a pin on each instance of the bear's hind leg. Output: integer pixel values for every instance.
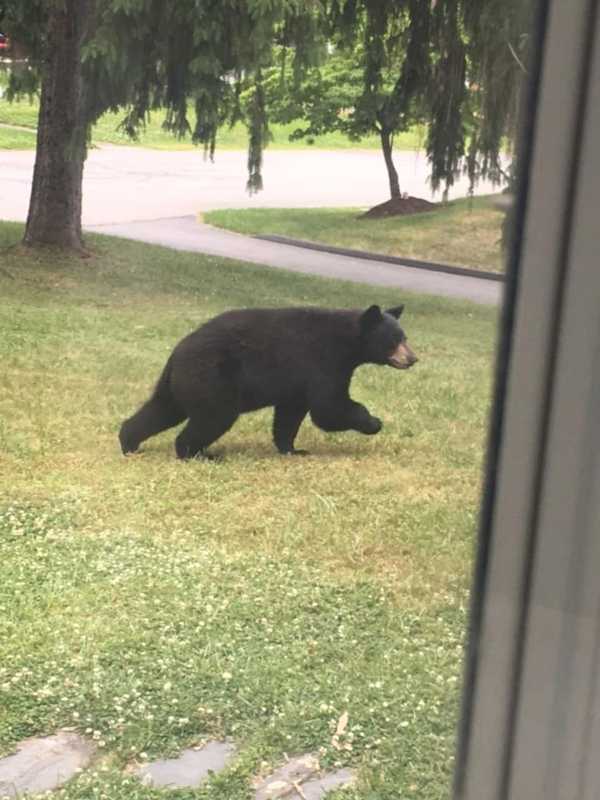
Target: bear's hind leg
(152, 418)
(286, 424)
(202, 430)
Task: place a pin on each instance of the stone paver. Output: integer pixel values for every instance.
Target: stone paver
(298, 779)
(320, 787)
(281, 782)
(190, 769)
(44, 763)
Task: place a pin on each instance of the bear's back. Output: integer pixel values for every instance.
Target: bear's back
(270, 356)
(276, 333)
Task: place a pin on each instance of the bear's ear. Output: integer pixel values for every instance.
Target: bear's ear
(396, 311)
(371, 317)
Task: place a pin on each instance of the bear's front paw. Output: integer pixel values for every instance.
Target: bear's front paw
(374, 425)
(128, 445)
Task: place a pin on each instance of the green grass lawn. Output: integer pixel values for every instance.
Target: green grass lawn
(24, 112)
(151, 603)
(463, 232)
(14, 139)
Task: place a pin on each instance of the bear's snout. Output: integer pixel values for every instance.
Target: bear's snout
(402, 357)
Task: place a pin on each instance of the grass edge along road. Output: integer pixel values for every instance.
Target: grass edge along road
(16, 139)
(24, 113)
(463, 233)
(150, 603)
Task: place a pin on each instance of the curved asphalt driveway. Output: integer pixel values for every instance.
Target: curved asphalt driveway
(185, 233)
(152, 195)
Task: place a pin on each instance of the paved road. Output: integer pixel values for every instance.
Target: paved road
(185, 233)
(152, 195)
(127, 183)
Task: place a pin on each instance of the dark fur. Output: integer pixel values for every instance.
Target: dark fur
(299, 360)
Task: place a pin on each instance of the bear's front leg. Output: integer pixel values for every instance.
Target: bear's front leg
(350, 416)
(286, 423)
(364, 421)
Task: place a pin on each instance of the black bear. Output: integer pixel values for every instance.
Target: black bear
(299, 360)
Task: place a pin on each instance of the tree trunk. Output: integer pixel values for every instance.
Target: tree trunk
(55, 205)
(386, 145)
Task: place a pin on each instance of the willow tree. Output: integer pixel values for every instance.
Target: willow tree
(478, 71)
(96, 55)
(371, 81)
(396, 67)
(455, 65)
(456, 59)
(463, 67)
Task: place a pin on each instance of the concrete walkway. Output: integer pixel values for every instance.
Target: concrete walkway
(185, 233)
(43, 764)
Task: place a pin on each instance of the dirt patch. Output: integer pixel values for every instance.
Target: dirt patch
(398, 206)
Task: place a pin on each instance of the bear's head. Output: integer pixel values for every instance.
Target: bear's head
(382, 339)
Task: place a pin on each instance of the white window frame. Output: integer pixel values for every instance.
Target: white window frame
(530, 727)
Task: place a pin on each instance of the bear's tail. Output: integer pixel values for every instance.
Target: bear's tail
(157, 414)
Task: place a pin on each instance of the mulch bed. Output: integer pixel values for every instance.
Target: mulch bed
(398, 206)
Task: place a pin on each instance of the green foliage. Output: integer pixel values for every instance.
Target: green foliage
(142, 55)
(476, 86)
(258, 135)
(24, 113)
(150, 54)
(446, 141)
(322, 102)
(25, 23)
(371, 81)
(456, 64)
